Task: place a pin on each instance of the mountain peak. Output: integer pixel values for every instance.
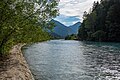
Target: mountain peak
(63, 31)
(57, 22)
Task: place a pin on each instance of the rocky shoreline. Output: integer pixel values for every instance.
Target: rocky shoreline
(15, 66)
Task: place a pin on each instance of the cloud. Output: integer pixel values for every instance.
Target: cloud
(67, 20)
(74, 8)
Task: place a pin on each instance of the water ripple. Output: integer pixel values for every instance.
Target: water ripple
(74, 60)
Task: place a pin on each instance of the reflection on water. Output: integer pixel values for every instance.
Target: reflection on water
(74, 60)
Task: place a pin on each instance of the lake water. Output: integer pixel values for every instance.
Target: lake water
(74, 60)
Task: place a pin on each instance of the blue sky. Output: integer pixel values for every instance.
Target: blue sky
(71, 11)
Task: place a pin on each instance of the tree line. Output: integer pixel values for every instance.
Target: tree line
(102, 22)
(25, 21)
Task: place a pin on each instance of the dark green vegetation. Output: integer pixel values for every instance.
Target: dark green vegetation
(24, 21)
(71, 37)
(102, 23)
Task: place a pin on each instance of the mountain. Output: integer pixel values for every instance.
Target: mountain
(60, 30)
(75, 27)
(56, 36)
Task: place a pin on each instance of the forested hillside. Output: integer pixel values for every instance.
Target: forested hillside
(102, 23)
(24, 21)
(61, 31)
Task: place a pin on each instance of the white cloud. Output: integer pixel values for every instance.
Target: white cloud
(75, 7)
(67, 20)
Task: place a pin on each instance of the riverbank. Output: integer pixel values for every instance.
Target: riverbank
(15, 66)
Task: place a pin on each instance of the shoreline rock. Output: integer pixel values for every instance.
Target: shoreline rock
(15, 66)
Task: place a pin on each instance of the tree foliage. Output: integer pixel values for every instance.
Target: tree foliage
(24, 21)
(102, 23)
(71, 37)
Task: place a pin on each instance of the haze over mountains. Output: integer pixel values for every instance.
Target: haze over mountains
(61, 31)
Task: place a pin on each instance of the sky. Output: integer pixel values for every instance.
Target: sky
(71, 11)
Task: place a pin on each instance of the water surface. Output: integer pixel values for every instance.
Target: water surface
(74, 60)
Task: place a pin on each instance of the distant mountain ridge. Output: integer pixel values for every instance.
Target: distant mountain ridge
(61, 31)
(75, 27)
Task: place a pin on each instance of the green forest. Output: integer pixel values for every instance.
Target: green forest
(25, 21)
(102, 22)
